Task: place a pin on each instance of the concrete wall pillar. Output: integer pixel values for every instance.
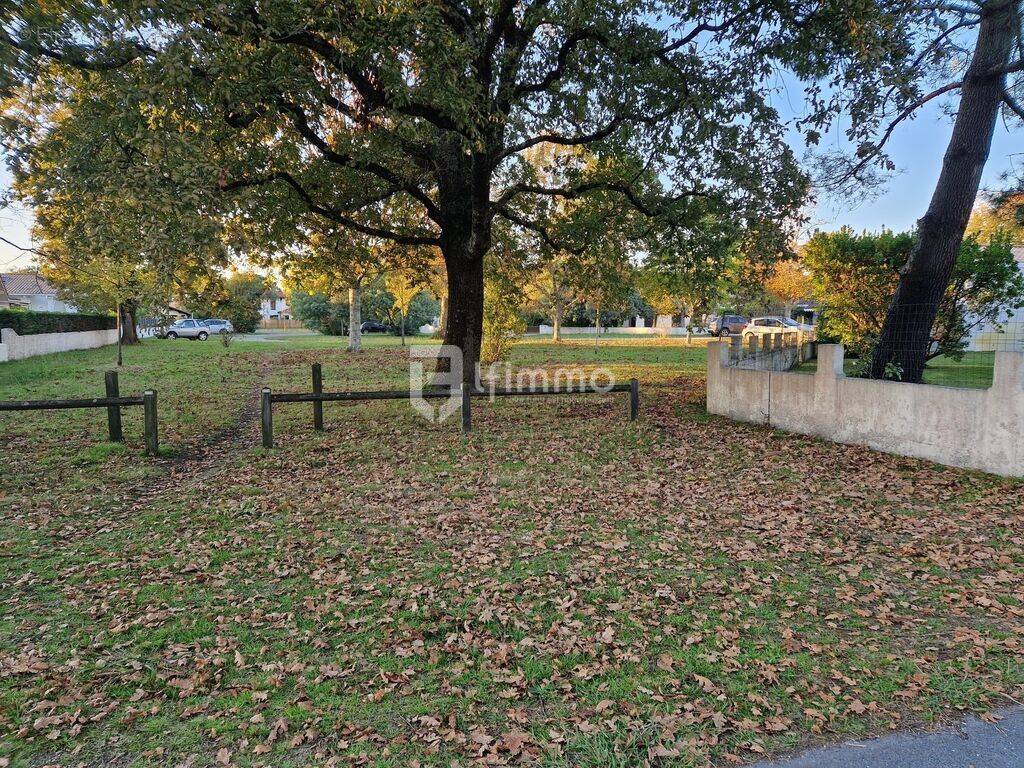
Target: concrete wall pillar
(1008, 374)
(830, 361)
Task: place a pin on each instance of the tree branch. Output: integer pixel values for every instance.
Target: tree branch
(332, 214)
(540, 231)
(907, 111)
(569, 45)
(1011, 101)
(301, 123)
(371, 94)
(554, 138)
(76, 56)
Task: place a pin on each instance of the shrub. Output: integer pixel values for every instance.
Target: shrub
(31, 323)
(319, 313)
(502, 320)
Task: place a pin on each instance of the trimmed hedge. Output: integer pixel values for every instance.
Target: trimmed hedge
(31, 323)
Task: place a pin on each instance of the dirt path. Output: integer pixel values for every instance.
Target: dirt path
(198, 463)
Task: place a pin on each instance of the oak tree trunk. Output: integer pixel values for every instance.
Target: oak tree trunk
(129, 331)
(355, 311)
(464, 188)
(556, 320)
(463, 326)
(906, 333)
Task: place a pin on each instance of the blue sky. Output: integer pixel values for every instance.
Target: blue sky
(916, 147)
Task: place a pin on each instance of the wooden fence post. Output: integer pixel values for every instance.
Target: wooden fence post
(318, 406)
(267, 419)
(634, 399)
(150, 420)
(113, 411)
(467, 413)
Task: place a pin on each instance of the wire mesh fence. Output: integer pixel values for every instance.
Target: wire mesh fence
(952, 348)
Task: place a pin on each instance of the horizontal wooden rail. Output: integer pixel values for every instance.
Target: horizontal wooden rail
(113, 402)
(405, 394)
(57, 405)
(375, 394)
(317, 397)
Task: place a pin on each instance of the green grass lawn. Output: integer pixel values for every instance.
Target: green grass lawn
(972, 371)
(560, 588)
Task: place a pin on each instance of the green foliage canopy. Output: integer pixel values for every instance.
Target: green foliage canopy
(855, 276)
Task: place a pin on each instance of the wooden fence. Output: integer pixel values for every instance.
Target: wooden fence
(113, 402)
(318, 397)
(280, 323)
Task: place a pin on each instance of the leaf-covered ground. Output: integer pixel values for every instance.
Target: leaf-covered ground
(559, 588)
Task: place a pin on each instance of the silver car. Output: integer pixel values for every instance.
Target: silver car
(188, 329)
(761, 326)
(219, 326)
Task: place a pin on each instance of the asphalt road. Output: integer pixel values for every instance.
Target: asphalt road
(970, 743)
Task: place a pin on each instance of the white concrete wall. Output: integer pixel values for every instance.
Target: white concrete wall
(973, 428)
(15, 347)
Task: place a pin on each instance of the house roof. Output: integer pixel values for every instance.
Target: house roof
(272, 293)
(27, 284)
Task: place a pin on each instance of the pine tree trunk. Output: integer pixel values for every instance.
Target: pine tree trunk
(355, 311)
(905, 339)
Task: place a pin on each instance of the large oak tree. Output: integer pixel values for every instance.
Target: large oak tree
(337, 109)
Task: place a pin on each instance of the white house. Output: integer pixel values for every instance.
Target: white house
(1009, 336)
(274, 305)
(32, 291)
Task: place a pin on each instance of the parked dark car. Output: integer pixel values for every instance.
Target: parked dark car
(728, 324)
(372, 326)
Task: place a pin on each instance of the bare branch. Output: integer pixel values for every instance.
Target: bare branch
(1008, 69)
(907, 111)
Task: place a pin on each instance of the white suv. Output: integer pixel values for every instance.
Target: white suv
(219, 326)
(762, 326)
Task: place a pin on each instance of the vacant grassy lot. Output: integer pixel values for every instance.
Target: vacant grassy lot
(561, 587)
(972, 371)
